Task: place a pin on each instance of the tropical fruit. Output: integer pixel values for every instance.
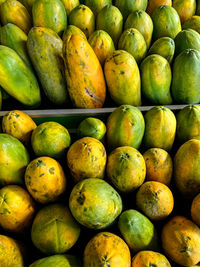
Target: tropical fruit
(97, 5)
(69, 5)
(133, 42)
(159, 165)
(89, 90)
(186, 77)
(185, 8)
(45, 50)
(149, 258)
(94, 203)
(83, 18)
(18, 124)
(45, 179)
(50, 14)
(86, 158)
(160, 128)
(16, 209)
(138, 231)
(123, 78)
(14, 158)
(125, 127)
(195, 210)
(50, 139)
(156, 80)
(126, 168)
(102, 44)
(106, 249)
(181, 241)
(193, 23)
(72, 29)
(155, 200)
(166, 22)
(153, 4)
(54, 230)
(186, 171)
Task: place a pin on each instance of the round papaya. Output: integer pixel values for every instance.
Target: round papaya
(185, 8)
(153, 4)
(192, 23)
(72, 29)
(94, 203)
(97, 5)
(195, 210)
(149, 258)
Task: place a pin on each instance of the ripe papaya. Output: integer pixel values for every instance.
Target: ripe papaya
(153, 4)
(150, 258)
(72, 29)
(185, 8)
(70, 5)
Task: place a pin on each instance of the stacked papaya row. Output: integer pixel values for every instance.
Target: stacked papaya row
(80, 55)
(102, 196)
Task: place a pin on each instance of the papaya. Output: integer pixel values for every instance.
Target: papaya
(97, 5)
(153, 4)
(138, 231)
(49, 14)
(166, 22)
(106, 249)
(110, 20)
(83, 18)
(54, 230)
(126, 169)
(14, 73)
(123, 78)
(12, 36)
(12, 11)
(185, 8)
(195, 210)
(192, 23)
(156, 79)
(160, 128)
(16, 209)
(70, 5)
(18, 124)
(128, 6)
(72, 29)
(45, 50)
(102, 44)
(186, 77)
(45, 179)
(125, 127)
(165, 47)
(94, 203)
(188, 123)
(133, 42)
(84, 74)
(184, 239)
(86, 158)
(149, 258)
(141, 21)
(186, 171)
(14, 158)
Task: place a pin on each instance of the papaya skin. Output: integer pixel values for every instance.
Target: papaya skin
(149, 258)
(185, 8)
(153, 4)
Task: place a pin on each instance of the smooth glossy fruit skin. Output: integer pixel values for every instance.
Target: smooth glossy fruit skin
(86, 158)
(192, 23)
(186, 172)
(72, 29)
(125, 127)
(54, 230)
(12, 11)
(160, 128)
(149, 258)
(16, 209)
(185, 8)
(138, 231)
(123, 78)
(14, 158)
(153, 4)
(106, 249)
(195, 210)
(165, 47)
(45, 50)
(126, 169)
(83, 18)
(97, 5)
(186, 77)
(17, 79)
(84, 74)
(102, 44)
(18, 124)
(141, 21)
(133, 42)
(10, 254)
(45, 179)
(50, 14)
(50, 139)
(156, 79)
(188, 123)
(94, 203)
(166, 22)
(181, 241)
(110, 20)
(70, 5)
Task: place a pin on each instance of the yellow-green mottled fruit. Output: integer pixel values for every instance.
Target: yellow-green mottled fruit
(193, 23)
(185, 8)
(72, 29)
(70, 5)
(149, 258)
(97, 5)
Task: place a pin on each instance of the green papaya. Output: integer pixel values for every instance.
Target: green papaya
(192, 23)
(97, 5)
(70, 5)
(185, 8)
(28, 5)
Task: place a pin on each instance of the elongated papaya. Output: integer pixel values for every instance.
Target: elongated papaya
(45, 50)
(84, 75)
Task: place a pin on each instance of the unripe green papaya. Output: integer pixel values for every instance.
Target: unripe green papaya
(193, 23)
